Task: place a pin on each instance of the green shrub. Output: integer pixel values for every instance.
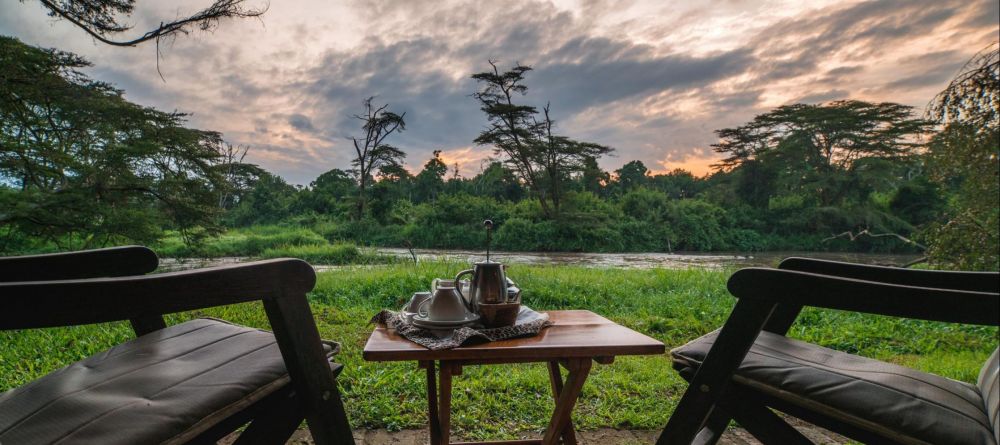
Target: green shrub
(697, 225)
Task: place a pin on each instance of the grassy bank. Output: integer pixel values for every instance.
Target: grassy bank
(635, 392)
(271, 242)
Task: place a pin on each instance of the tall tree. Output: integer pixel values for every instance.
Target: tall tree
(372, 153)
(498, 182)
(592, 178)
(326, 194)
(81, 166)
(239, 177)
(830, 135)
(511, 126)
(631, 175)
(269, 201)
(430, 180)
(964, 157)
(542, 159)
(559, 157)
(823, 150)
(677, 184)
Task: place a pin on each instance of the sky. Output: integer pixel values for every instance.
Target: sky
(651, 79)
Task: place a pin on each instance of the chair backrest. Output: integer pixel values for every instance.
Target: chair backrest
(989, 388)
(97, 263)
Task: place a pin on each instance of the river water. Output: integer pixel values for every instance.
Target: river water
(714, 260)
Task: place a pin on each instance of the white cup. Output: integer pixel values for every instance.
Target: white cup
(416, 300)
(445, 305)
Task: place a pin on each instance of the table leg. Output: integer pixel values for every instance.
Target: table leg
(432, 404)
(555, 378)
(578, 369)
(445, 402)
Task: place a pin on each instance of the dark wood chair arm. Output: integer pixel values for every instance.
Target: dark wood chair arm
(280, 284)
(958, 280)
(795, 289)
(110, 262)
(37, 304)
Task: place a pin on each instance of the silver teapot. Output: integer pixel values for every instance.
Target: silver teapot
(488, 283)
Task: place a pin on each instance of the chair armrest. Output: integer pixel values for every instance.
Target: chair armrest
(970, 281)
(37, 304)
(110, 262)
(796, 288)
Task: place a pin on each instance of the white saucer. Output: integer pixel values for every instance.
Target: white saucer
(423, 322)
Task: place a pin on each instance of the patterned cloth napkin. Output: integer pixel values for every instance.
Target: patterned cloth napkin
(528, 323)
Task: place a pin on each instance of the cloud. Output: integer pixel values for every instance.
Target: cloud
(823, 96)
(301, 122)
(652, 80)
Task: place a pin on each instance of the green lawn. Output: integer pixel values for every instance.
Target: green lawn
(634, 392)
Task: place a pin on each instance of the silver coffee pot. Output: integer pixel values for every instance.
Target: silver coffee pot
(488, 283)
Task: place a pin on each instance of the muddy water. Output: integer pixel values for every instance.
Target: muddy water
(715, 260)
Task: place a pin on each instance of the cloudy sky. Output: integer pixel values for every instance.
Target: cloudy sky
(652, 79)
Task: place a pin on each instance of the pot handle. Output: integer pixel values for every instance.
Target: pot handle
(458, 287)
(420, 309)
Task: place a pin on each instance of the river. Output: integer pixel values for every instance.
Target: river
(714, 260)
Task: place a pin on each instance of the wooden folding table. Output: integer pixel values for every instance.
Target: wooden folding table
(574, 341)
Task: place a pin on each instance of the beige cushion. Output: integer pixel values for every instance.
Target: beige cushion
(164, 387)
(906, 405)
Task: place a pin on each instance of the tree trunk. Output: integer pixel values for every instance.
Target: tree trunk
(361, 199)
(545, 205)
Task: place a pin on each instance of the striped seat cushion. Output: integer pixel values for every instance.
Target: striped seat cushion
(164, 387)
(894, 401)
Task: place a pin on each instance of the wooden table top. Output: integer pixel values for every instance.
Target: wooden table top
(573, 334)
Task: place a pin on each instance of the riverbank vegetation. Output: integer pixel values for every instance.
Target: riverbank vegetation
(271, 242)
(845, 175)
(673, 306)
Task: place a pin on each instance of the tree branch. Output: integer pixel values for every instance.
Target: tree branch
(204, 19)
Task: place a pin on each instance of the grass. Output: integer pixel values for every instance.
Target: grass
(500, 401)
(272, 242)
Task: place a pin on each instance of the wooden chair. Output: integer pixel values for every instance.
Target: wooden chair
(749, 367)
(193, 382)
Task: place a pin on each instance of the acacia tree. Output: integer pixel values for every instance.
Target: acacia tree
(511, 126)
(80, 166)
(542, 159)
(371, 151)
(822, 149)
(964, 158)
(560, 157)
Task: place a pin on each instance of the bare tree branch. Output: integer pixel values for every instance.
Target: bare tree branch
(99, 18)
(854, 236)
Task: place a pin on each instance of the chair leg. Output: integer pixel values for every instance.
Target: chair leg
(713, 376)
(298, 339)
(761, 422)
(714, 428)
(274, 425)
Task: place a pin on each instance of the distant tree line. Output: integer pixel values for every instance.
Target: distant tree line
(80, 166)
